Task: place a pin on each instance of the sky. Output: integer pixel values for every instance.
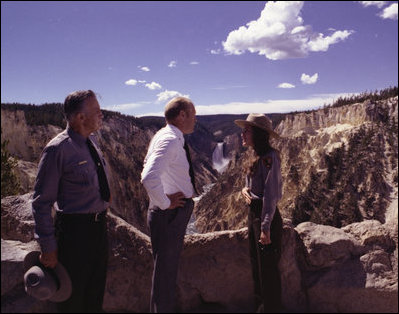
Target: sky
(228, 57)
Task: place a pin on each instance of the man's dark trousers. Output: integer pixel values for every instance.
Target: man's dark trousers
(167, 228)
(83, 250)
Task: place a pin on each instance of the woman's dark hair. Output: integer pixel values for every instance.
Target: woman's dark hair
(261, 146)
(261, 142)
(74, 102)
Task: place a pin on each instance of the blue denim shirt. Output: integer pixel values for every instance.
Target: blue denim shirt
(67, 176)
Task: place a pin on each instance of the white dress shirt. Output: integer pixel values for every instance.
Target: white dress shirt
(166, 168)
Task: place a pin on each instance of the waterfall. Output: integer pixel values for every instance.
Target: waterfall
(219, 161)
(191, 224)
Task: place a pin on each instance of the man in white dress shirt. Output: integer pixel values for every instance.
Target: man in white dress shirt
(167, 177)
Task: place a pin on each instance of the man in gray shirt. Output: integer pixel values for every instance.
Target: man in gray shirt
(72, 174)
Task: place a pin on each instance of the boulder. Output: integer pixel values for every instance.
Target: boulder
(326, 246)
(16, 218)
(215, 270)
(349, 269)
(13, 296)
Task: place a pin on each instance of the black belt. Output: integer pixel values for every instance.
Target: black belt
(87, 217)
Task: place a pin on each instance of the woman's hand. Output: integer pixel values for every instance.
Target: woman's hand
(247, 196)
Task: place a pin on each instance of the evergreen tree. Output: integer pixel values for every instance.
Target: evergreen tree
(9, 181)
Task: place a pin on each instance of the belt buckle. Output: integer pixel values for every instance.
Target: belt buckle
(96, 217)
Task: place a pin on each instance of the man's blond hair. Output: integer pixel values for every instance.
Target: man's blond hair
(177, 104)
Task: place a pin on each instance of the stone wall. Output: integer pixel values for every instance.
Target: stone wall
(323, 269)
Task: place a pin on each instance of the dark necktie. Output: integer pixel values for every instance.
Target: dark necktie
(191, 171)
(102, 178)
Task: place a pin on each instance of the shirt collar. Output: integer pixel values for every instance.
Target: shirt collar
(76, 137)
(176, 131)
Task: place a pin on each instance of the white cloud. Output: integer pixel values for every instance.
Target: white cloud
(153, 85)
(123, 107)
(378, 4)
(144, 69)
(152, 114)
(390, 12)
(169, 94)
(286, 85)
(279, 33)
(307, 79)
(216, 51)
(194, 62)
(131, 82)
(172, 64)
(271, 106)
(321, 43)
(316, 101)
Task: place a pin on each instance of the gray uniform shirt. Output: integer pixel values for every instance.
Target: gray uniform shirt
(266, 184)
(67, 176)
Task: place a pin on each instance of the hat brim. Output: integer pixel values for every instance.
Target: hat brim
(65, 290)
(243, 123)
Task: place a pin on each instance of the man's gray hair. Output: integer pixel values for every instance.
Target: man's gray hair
(73, 103)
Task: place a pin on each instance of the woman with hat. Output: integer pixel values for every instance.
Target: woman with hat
(262, 191)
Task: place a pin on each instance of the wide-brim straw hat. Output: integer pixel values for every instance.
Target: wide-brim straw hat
(258, 120)
(43, 283)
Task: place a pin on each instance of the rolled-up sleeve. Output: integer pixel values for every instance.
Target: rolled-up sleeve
(44, 197)
(155, 165)
(272, 192)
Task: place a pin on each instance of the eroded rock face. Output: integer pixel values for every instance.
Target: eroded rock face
(323, 269)
(339, 166)
(26, 172)
(25, 142)
(123, 140)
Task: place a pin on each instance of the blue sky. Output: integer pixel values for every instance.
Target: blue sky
(228, 57)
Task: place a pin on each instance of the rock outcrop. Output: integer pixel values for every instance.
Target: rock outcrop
(323, 269)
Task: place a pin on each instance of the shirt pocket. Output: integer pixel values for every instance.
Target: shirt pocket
(77, 173)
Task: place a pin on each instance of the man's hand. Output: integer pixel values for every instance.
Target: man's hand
(247, 196)
(49, 259)
(265, 238)
(176, 200)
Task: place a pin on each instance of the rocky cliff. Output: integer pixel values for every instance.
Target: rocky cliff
(339, 166)
(123, 140)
